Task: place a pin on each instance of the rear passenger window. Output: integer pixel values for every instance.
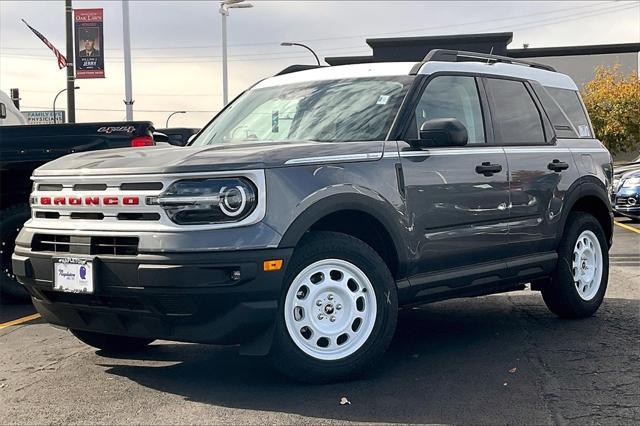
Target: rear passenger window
(516, 119)
(571, 105)
(453, 97)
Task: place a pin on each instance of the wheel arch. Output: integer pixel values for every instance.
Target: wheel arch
(590, 196)
(373, 221)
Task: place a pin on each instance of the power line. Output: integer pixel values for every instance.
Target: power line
(483, 21)
(137, 94)
(122, 110)
(276, 56)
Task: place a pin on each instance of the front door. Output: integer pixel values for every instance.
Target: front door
(457, 197)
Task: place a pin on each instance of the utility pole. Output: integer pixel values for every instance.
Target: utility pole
(126, 38)
(71, 79)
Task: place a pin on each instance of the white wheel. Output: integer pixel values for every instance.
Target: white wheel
(330, 309)
(578, 285)
(586, 265)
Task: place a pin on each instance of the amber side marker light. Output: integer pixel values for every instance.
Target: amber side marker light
(272, 265)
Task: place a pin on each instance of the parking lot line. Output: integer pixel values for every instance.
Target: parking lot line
(19, 321)
(628, 228)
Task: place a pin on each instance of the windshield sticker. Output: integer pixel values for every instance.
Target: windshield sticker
(583, 131)
(382, 100)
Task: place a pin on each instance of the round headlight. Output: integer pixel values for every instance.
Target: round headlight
(234, 200)
(208, 200)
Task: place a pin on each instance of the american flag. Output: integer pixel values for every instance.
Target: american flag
(62, 61)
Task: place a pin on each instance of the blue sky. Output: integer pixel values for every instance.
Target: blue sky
(176, 44)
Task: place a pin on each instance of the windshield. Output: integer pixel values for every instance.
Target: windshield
(346, 110)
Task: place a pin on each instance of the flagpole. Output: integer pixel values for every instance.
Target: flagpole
(71, 98)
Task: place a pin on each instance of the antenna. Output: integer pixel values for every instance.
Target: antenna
(490, 53)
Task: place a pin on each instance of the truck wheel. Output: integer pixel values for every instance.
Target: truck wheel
(111, 343)
(577, 288)
(11, 221)
(338, 311)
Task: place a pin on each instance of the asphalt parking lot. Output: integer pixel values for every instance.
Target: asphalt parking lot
(489, 360)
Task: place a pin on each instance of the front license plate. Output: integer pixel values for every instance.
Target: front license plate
(73, 275)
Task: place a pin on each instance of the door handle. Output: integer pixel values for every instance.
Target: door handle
(488, 169)
(557, 166)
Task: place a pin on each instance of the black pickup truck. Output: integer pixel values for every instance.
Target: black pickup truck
(24, 148)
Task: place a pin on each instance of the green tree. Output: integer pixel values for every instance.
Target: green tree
(613, 101)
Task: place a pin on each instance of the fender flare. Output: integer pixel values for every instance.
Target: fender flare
(378, 208)
(586, 186)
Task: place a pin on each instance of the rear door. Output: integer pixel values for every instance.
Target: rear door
(457, 213)
(541, 169)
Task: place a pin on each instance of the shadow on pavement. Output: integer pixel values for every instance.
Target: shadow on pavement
(490, 360)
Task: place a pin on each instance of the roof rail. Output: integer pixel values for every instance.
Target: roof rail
(296, 68)
(444, 55)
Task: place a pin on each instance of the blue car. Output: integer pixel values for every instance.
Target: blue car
(627, 199)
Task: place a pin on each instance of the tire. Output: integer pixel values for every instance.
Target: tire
(334, 325)
(11, 221)
(577, 288)
(111, 343)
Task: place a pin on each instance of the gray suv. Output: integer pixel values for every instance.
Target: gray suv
(318, 203)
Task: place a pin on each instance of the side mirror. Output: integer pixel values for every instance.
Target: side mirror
(160, 137)
(3, 111)
(443, 132)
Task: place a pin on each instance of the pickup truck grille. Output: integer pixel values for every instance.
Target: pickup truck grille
(56, 243)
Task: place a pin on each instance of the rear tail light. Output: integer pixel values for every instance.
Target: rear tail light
(139, 141)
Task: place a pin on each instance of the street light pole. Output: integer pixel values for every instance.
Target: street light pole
(284, 43)
(166, 126)
(55, 120)
(126, 40)
(225, 5)
(225, 95)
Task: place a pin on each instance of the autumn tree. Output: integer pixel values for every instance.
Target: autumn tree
(613, 101)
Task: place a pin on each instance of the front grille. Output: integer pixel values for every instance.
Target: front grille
(86, 216)
(626, 201)
(106, 201)
(115, 246)
(90, 187)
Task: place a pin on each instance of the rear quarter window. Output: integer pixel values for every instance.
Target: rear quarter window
(569, 101)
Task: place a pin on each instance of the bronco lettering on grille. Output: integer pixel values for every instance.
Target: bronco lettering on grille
(129, 200)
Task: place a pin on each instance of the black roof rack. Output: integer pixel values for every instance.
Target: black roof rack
(444, 55)
(296, 68)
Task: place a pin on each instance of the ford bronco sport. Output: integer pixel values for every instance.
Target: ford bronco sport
(316, 204)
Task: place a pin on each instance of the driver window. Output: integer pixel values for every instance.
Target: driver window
(453, 97)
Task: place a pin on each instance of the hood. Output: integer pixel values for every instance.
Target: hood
(239, 156)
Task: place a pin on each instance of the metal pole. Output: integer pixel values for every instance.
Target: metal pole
(225, 89)
(126, 39)
(166, 125)
(71, 94)
(55, 120)
(309, 49)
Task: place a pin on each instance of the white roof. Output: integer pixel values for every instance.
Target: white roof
(544, 77)
(379, 69)
(383, 69)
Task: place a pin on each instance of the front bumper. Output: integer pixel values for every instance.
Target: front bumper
(190, 297)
